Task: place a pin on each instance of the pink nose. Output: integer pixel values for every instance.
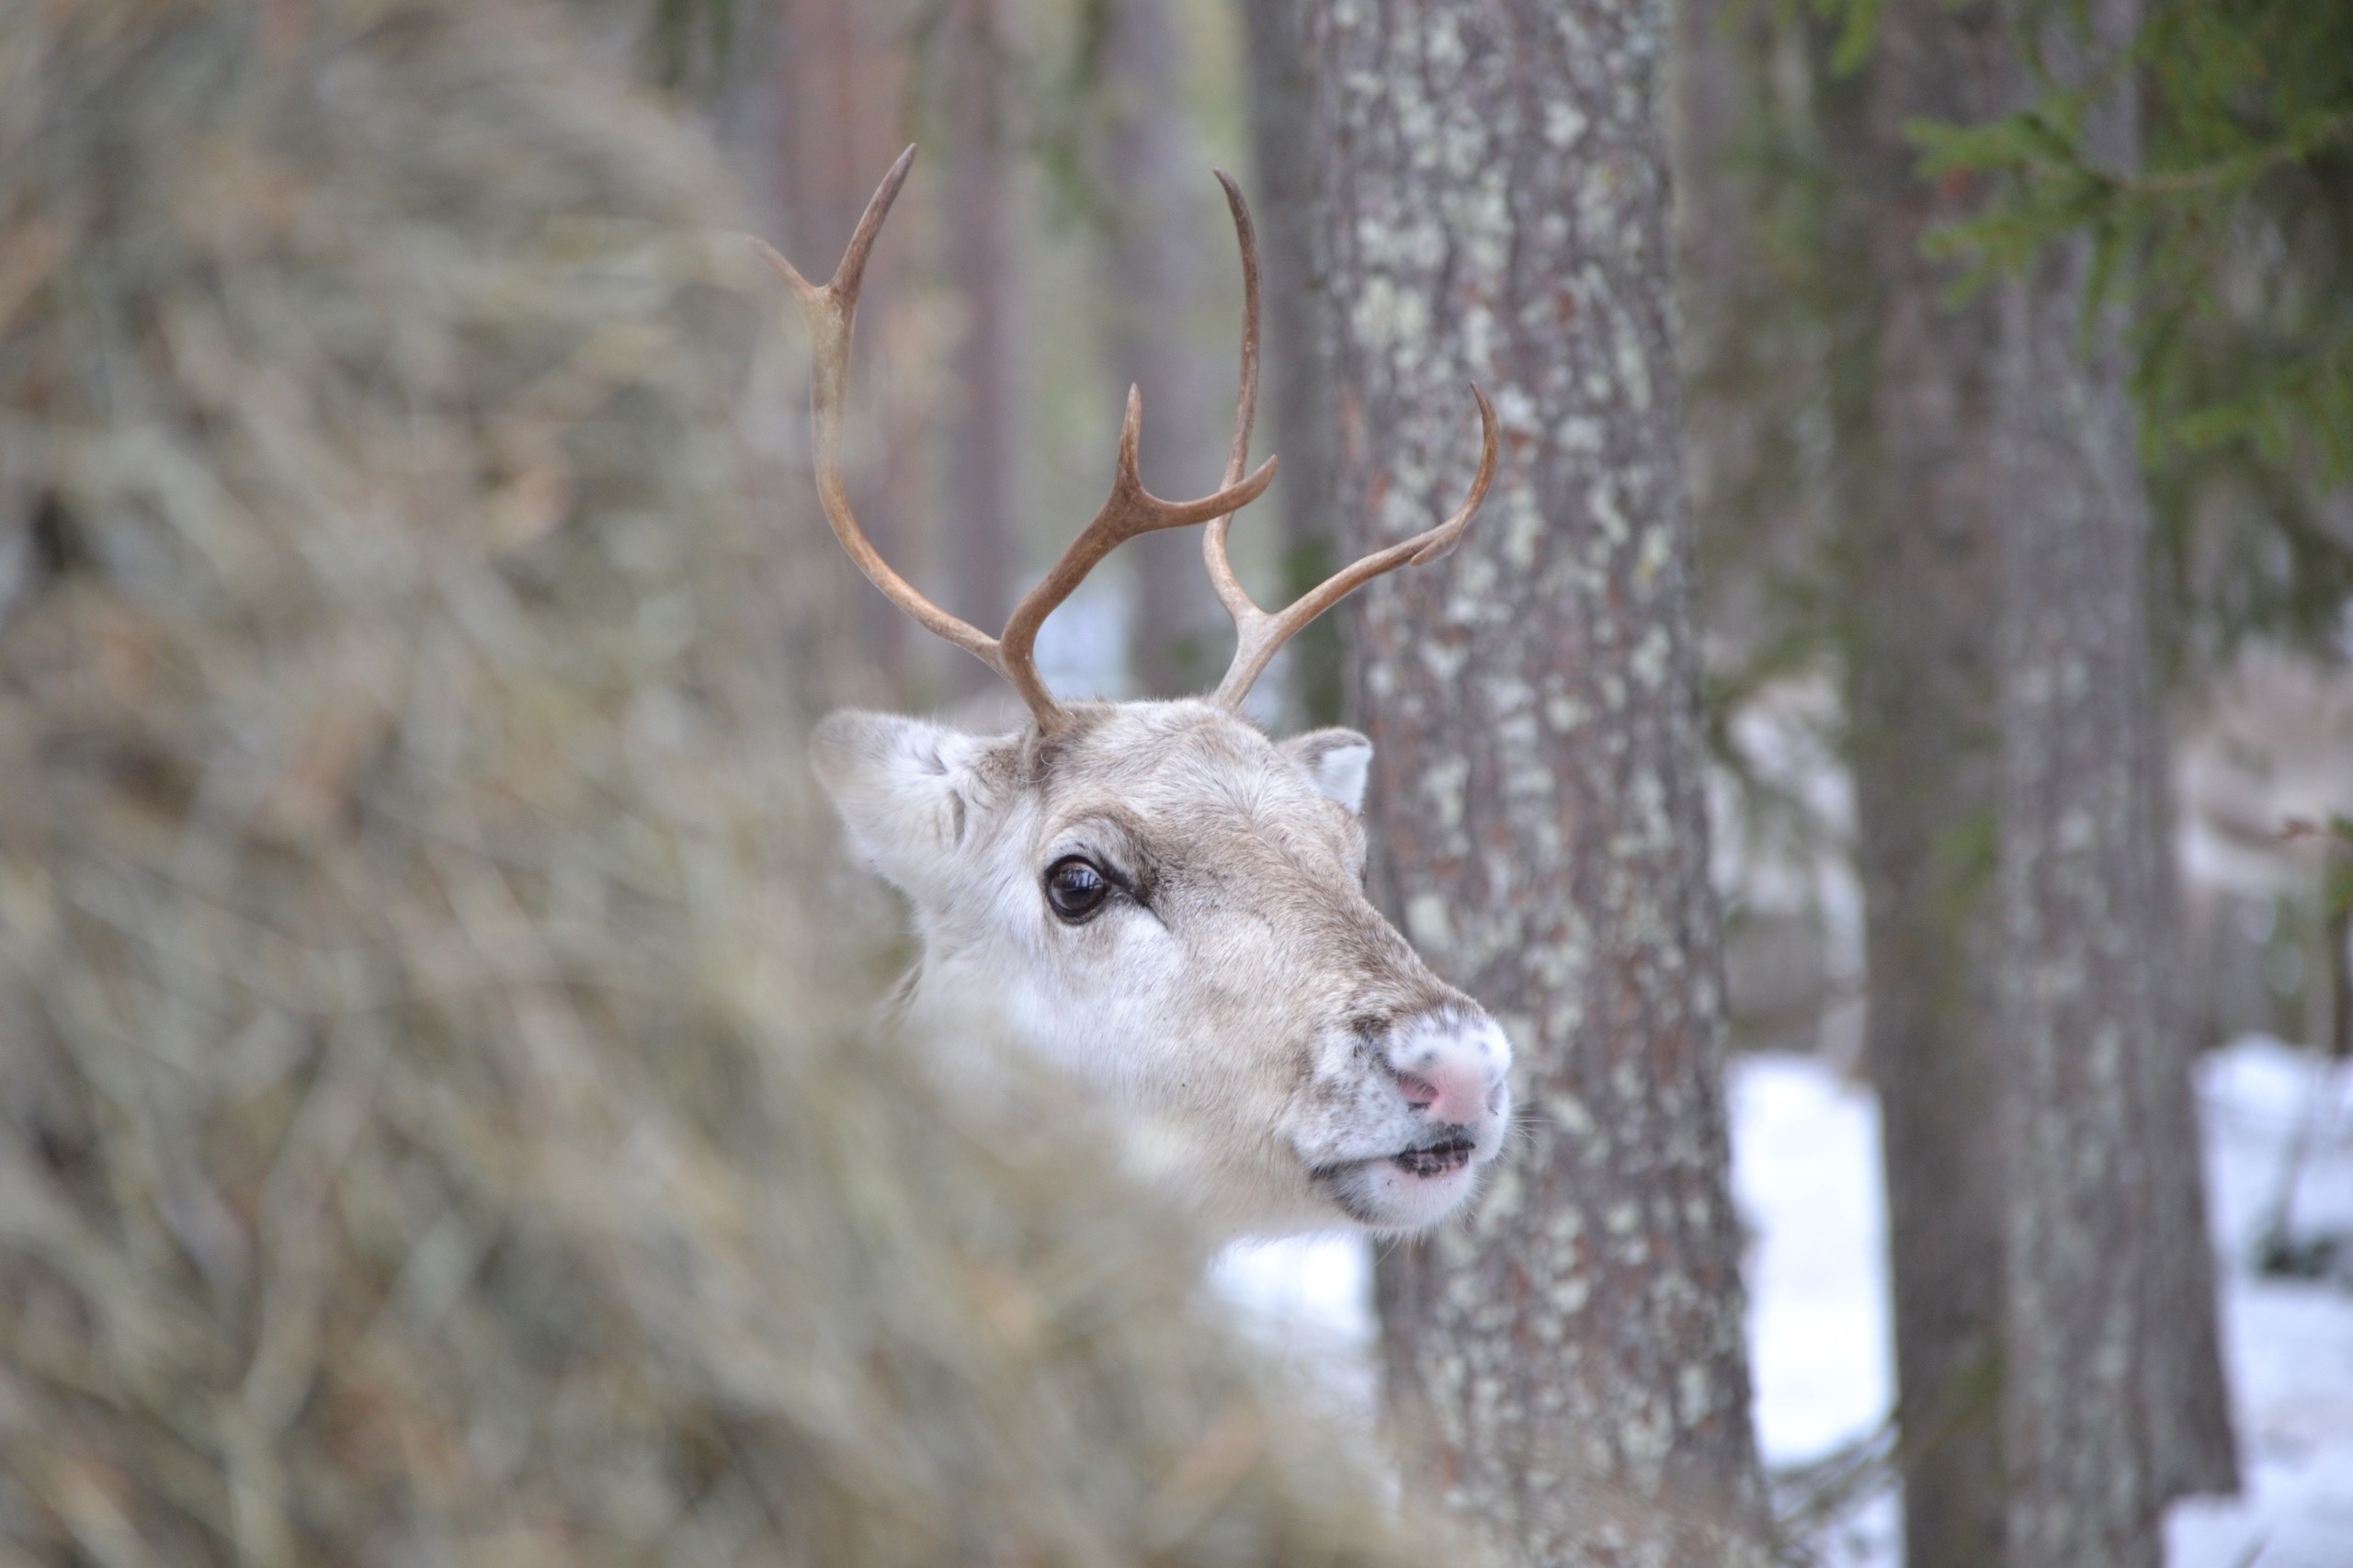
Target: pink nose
(1446, 1091)
(1449, 1064)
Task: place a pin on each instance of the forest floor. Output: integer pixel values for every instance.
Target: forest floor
(1806, 1172)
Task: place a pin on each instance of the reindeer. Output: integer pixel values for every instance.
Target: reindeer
(1155, 896)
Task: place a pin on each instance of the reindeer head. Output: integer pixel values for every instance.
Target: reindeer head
(1156, 896)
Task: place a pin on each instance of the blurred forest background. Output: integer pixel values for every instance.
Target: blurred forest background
(1843, 177)
(413, 598)
(2166, 192)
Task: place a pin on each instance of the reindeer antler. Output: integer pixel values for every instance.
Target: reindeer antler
(1258, 634)
(1128, 511)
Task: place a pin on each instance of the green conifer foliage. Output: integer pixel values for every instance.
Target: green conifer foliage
(2233, 248)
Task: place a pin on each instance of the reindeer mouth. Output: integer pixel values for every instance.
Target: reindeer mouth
(1425, 1162)
(1431, 1179)
(1438, 1159)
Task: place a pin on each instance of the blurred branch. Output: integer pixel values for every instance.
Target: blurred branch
(1810, 1499)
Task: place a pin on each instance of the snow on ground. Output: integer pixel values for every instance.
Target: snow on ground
(2288, 1343)
(1805, 1172)
(1805, 1176)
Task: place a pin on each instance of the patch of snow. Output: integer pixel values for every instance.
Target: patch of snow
(2287, 1344)
(1805, 1176)
(1082, 648)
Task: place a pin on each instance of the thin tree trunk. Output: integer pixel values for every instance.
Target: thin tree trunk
(2193, 1446)
(1161, 192)
(2336, 946)
(977, 513)
(839, 76)
(1923, 552)
(1281, 50)
(2079, 892)
(1569, 1363)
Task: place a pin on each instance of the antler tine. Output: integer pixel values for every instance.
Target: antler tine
(832, 313)
(1230, 592)
(1259, 634)
(1128, 511)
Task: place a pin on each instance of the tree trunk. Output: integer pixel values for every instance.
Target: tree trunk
(2336, 946)
(2085, 1015)
(2193, 1448)
(1162, 196)
(1922, 549)
(839, 75)
(1569, 1362)
(1280, 48)
(977, 512)
(2081, 1001)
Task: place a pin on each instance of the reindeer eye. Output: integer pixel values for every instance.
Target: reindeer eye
(1075, 888)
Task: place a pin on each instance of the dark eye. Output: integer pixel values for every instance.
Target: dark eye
(1075, 888)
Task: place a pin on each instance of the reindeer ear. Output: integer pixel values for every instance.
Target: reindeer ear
(904, 788)
(1338, 761)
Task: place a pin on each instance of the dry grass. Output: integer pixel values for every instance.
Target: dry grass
(427, 1133)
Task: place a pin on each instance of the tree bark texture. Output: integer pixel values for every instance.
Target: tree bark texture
(1569, 1362)
(1922, 549)
(2081, 989)
(1302, 413)
(2083, 963)
(979, 538)
(1160, 194)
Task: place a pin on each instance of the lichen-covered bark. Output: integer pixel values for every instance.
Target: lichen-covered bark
(2079, 890)
(1569, 1360)
(1922, 545)
(2081, 992)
